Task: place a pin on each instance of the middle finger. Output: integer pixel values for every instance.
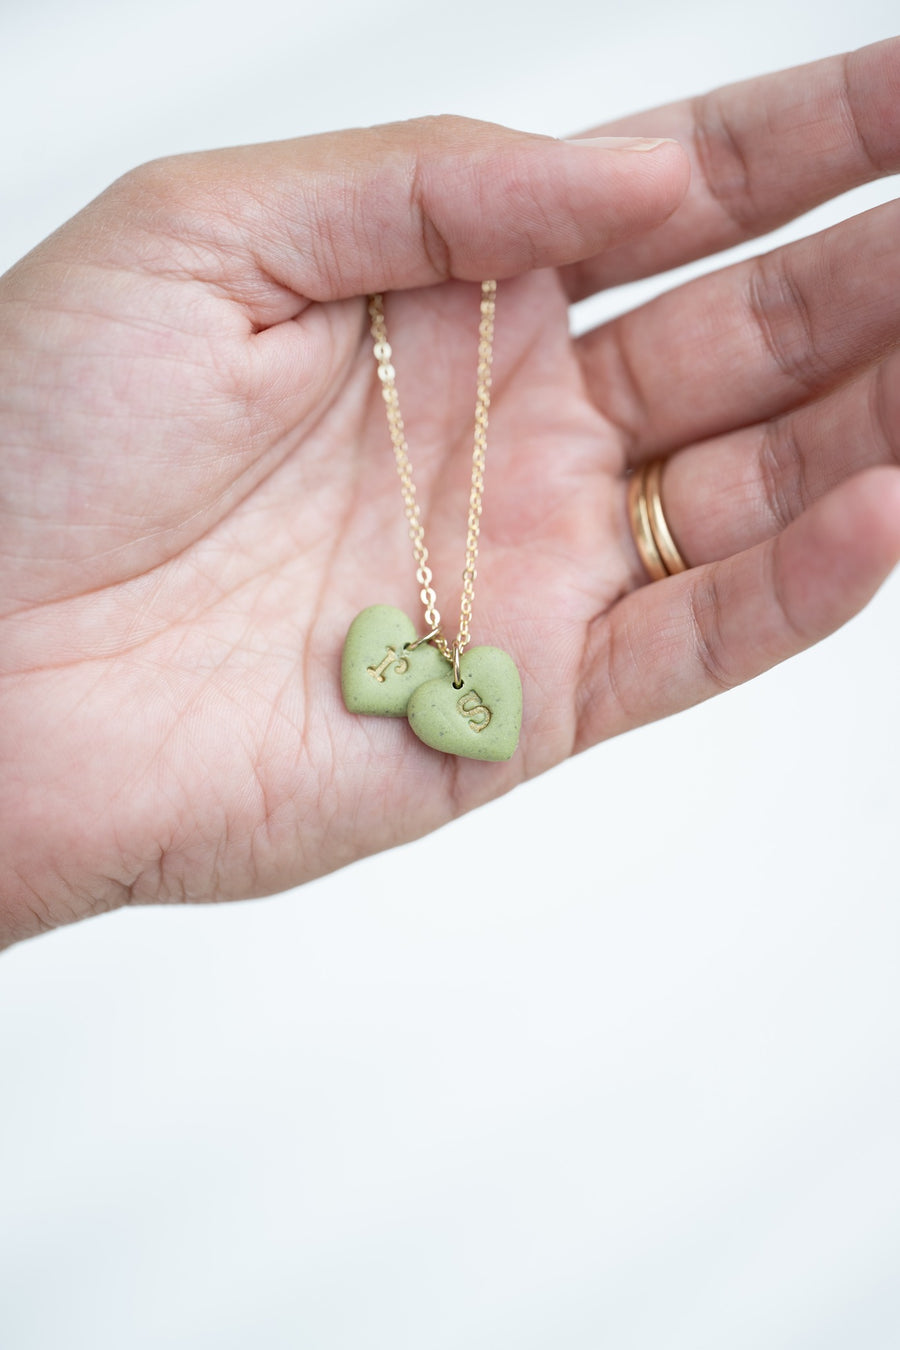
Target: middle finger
(750, 341)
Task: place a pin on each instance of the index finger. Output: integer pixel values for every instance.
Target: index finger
(762, 152)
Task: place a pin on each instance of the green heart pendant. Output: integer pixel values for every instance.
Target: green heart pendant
(480, 719)
(378, 670)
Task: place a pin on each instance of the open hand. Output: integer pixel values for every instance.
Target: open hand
(197, 489)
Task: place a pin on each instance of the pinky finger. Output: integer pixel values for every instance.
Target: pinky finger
(676, 642)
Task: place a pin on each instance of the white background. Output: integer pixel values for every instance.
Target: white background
(632, 1081)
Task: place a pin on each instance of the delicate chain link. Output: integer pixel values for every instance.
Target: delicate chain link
(387, 376)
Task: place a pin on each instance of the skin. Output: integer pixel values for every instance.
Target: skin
(197, 492)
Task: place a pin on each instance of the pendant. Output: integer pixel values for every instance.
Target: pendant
(378, 670)
(478, 719)
(384, 674)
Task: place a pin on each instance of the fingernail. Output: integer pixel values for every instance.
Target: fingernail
(634, 144)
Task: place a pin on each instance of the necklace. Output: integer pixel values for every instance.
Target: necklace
(459, 699)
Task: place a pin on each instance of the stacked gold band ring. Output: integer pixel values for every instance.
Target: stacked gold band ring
(658, 550)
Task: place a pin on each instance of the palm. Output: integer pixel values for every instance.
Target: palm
(179, 592)
(251, 548)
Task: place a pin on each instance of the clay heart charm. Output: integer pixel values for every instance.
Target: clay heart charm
(481, 718)
(378, 671)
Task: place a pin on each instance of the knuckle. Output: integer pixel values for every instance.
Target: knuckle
(798, 634)
(704, 614)
(435, 245)
(780, 310)
(723, 161)
(885, 412)
(852, 110)
(782, 472)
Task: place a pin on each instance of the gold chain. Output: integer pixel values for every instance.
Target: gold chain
(387, 376)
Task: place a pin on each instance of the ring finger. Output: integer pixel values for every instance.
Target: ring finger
(728, 493)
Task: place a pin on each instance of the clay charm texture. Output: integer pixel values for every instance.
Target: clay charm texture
(479, 720)
(378, 672)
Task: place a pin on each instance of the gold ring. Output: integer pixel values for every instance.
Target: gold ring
(657, 548)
